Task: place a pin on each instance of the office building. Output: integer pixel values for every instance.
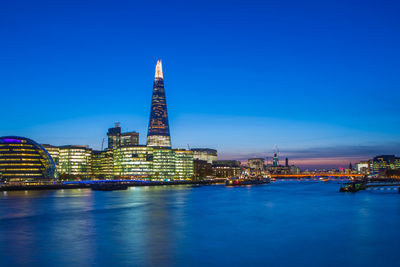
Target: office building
(202, 169)
(183, 164)
(54, 152)
(362, 167)
(75, 162)
(129, 139)
(275, 160)
(133, 162)
(117, 139)
(226, 168)
(256, 164)
(158, 133)
(102, 164)
(206, 154)
(24, 160)
(163, 164)
(381, 163)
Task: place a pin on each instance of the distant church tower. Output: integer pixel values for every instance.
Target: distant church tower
(158, 134)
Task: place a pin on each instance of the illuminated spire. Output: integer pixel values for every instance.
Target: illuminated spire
(158, 134)
(159, 70)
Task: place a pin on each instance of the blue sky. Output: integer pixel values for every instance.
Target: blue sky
(319, 79)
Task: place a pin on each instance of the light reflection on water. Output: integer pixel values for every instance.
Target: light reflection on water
(210, 225)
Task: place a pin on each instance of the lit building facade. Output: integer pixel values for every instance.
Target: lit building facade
(75, 162)
(256, 164)
(206, 154)
(117, 139)
(129, 139)
(184, 168)
(202, 169)
(275, 159)
(163, 164)
(158, 134)
(133, 162)
(382, 163)
(362, 167)
(152, 163)
(54, 152)
(227, 168)
(272, 169)
(102, 164)
(24, 160)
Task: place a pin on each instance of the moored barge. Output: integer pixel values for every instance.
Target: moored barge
(249, 181)
(108, 186)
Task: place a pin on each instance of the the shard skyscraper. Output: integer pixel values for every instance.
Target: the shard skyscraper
(158, 134)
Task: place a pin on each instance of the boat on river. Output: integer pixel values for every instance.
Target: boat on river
(353, 187)
(108, 186)
(234, 181)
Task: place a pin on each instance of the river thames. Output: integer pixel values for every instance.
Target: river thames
(285, 223)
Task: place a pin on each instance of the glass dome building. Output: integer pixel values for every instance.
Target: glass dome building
(24, 160)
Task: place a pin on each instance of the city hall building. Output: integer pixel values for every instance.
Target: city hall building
(24, 160)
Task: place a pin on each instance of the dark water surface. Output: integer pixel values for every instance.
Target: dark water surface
(281, 224)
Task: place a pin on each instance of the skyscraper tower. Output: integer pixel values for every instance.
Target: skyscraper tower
(158, 134)
(276, 159)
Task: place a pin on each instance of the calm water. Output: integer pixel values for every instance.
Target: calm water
(281, 224)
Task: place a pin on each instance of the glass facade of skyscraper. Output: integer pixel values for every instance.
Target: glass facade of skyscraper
(158, 132)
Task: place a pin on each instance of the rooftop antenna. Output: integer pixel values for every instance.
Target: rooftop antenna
(188, 146)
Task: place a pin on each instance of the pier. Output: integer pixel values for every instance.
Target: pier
(371, 185)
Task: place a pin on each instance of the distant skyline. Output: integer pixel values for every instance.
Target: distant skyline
(319, 79)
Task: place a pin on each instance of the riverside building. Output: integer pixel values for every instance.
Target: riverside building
(133, 162)
(75, 162)
(163, 164)
(24, 160)
(206, 154)
(382, 163)
(226, 168)
(102, 164)
(184, 165)
(54, 152)
(256, 164)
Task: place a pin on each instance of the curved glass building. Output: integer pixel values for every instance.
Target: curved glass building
(24, 160)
